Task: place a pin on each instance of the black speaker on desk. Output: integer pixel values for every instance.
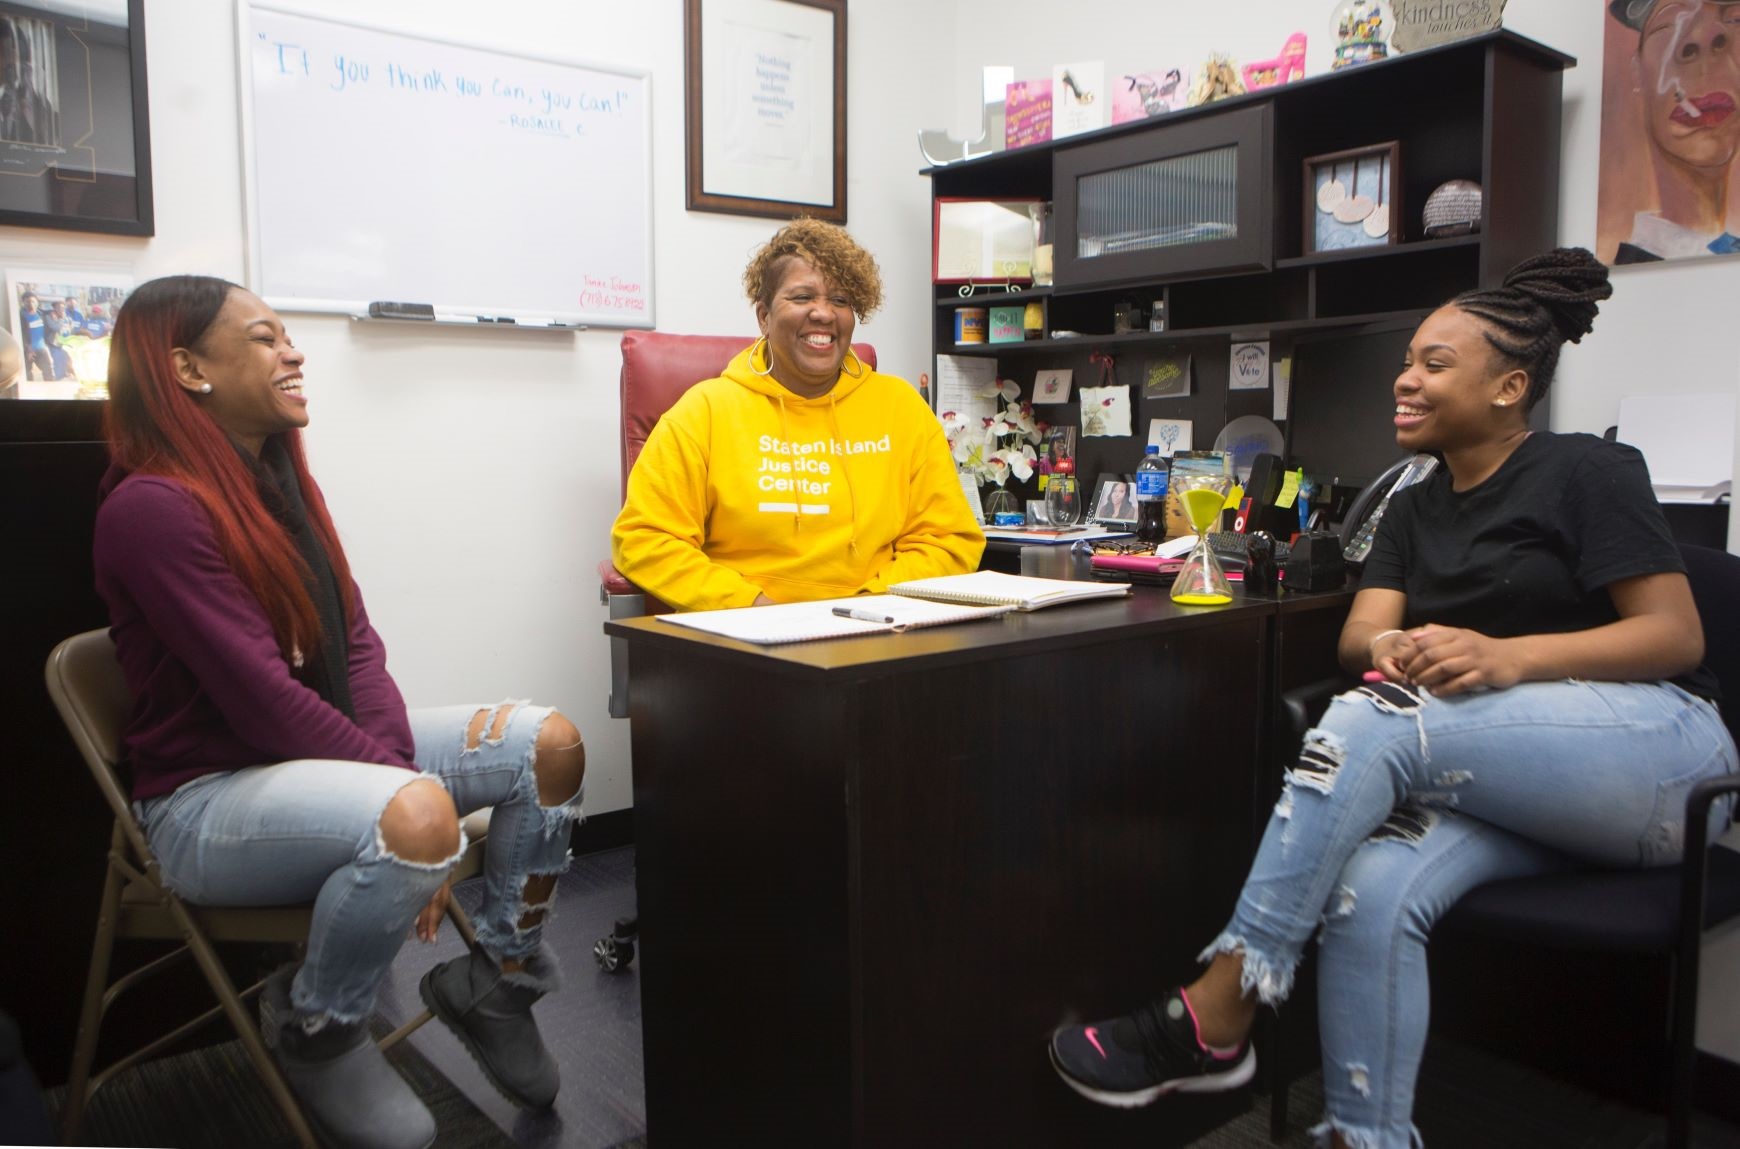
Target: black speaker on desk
(1315, 563)
(1263, 487)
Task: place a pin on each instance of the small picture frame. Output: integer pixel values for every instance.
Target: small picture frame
(1114, 502)
(982, 241)
(62, 317)
(1353, 198)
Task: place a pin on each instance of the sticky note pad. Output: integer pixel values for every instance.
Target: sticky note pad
(1289, 488)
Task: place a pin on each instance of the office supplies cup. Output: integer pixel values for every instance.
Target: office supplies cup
(1200, 581)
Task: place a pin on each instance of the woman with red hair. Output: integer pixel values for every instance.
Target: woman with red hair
(273, 759)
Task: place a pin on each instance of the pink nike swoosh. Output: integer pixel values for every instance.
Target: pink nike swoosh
(1093, 1035)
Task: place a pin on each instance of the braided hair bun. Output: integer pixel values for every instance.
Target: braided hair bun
(1543, 303)
(1569, 282)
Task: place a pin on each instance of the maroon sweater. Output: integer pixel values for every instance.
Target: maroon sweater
(210, 690)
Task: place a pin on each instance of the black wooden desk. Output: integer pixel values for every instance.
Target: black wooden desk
(875, 873)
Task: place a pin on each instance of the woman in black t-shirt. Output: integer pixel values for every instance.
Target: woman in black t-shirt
(1537, 702)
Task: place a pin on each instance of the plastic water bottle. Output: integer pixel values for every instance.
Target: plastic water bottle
(1151, 482)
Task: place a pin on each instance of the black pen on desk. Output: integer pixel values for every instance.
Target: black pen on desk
(862, 615)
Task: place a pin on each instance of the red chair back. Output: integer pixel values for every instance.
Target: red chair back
(657, 368)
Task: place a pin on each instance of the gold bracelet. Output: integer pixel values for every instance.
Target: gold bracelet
(1371, 647)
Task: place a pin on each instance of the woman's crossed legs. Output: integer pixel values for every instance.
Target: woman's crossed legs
(1399, 803)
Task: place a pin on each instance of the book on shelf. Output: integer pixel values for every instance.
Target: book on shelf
(830, 618)
(1021, 592)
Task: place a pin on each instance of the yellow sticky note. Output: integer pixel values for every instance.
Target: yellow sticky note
(1234, 497)
(1290, 488)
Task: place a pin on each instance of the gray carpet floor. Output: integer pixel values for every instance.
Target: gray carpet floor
(1469, 1100)
(211, 1098)
(1466, 1100)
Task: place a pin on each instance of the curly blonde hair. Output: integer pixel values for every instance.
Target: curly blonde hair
(828, 249)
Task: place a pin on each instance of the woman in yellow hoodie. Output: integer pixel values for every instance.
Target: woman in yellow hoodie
(800, 473)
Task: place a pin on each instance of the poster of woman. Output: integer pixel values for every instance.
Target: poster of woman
(1669, 130)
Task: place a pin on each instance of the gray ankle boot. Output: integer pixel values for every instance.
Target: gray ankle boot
(347, 1089)
(491, 1013)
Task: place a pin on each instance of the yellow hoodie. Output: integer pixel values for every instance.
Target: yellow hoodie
(745, 488)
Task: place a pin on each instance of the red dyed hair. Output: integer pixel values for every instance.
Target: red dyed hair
(155, 427)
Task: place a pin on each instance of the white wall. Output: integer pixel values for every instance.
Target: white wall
(474, 474)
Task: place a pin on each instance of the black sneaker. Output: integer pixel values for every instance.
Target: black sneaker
(1129, 1061)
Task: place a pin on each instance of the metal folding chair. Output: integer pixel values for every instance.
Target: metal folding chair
(87, 687)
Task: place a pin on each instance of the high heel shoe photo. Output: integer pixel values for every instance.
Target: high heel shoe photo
(1081, 97)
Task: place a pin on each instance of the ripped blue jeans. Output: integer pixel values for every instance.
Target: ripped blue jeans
(1401, 802)
(308, 830)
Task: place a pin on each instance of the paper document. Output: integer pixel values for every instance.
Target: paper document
(964, 386)
(809, 621)
(1687, 440)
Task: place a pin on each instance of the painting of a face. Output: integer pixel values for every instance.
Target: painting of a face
(1670, 130)
(1688, 62)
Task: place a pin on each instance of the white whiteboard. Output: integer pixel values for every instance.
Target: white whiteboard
(386, 167)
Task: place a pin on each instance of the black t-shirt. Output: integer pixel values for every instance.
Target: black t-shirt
(1533, 548)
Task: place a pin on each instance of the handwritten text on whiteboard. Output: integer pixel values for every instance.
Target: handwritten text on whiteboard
(526, 106)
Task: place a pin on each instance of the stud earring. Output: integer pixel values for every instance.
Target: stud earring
(205, 388)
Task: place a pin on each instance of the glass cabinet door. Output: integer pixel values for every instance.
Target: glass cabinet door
(1186, 199)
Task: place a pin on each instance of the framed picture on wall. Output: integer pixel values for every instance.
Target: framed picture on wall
(75, 147)
(766, 107)
(1352, 198)
(62, 318)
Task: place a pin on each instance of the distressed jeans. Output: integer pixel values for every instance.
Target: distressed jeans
(309, 830)
(1401, 802)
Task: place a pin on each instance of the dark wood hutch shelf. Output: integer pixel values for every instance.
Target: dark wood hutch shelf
(1487, 109)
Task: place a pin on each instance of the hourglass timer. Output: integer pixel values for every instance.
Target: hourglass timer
(1200, 581)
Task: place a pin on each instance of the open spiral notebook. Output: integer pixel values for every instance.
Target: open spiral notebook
(915, 604)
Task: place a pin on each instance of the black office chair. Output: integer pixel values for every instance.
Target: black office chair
(1367, 500)
(1623, 911)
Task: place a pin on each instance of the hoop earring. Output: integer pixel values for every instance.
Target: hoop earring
(761, 343)
(853, 356)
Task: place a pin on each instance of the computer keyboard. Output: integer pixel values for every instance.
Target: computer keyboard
(1229, 546)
